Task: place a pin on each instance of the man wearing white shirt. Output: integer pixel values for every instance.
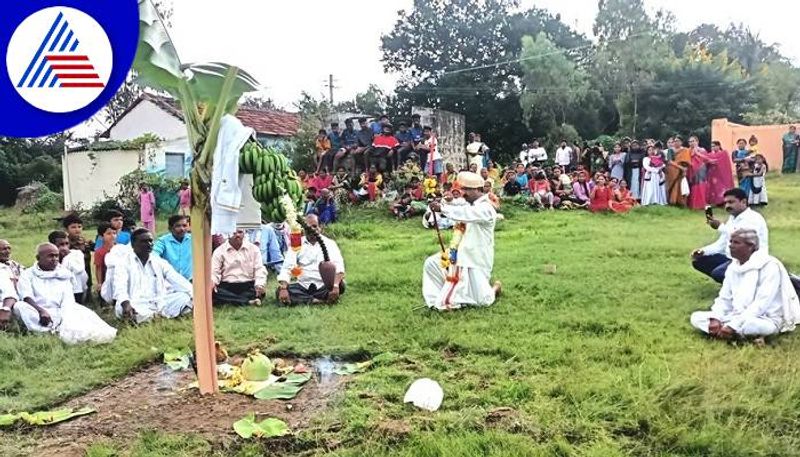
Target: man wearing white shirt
(536, 154)
(47, 303)
(8, 297)
(523, 154)
(146, 286)
(300, 280)
(464, 279)
(714, 259)
(73, 261)
(564, 156)
(757, 298)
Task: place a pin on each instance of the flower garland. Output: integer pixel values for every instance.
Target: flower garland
(452, 258)
(295, 230)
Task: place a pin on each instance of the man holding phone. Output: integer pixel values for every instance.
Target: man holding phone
(713, 260)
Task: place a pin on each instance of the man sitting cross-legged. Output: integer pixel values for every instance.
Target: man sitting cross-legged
(146, 286)
(48, 304)
(757, 298)
(303, 265)
(237, 272)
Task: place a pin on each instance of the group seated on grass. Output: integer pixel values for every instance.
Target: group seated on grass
(144, 278)
(633, 173)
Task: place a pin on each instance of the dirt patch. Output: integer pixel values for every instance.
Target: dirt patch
(394, 431)
(155, 398)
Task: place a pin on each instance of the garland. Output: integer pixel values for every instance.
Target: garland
(296, 228)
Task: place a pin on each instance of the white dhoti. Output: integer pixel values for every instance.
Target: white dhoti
(753, 326)
(73, 323)
(473, 288)
(170, 306)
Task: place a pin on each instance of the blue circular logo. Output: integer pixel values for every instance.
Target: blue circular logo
(63, 62)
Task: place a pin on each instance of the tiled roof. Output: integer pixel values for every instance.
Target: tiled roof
(265, 122)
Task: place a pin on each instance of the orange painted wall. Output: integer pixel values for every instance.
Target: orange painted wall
(770, 143)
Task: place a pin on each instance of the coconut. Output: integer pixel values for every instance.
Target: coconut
(256, 367)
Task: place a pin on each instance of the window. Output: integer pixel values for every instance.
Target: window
(174, 164)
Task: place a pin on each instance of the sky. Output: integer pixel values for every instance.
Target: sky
(292, 46)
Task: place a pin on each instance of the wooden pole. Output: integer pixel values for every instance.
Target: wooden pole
(203, 311)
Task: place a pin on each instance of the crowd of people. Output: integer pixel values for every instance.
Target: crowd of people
(141, 277)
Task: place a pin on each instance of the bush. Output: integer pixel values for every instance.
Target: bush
(165, 190)
(38, 198)
(99, 212)
(562, 132)
(607, 142)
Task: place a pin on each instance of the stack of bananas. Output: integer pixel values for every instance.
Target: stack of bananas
(272, 178)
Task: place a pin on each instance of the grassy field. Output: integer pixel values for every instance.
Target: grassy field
(596, 360)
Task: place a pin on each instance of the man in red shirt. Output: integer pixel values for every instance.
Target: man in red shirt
(384, 146)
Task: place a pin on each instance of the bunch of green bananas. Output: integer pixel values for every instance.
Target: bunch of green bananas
(272, 178)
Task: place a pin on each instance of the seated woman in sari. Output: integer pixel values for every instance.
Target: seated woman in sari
(602, 197)
(623, 199)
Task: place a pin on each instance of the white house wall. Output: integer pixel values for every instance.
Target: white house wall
(147, 117)
(84, 183)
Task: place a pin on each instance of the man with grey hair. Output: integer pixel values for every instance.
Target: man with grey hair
(48, 305)
(757, 297)
(12, 267)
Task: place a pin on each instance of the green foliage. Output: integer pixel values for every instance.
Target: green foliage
(23, 160)
(607, 142)
(99, 212)
(553, 85)
(314, 115)
(135, 144)
(45, 200)
(165, 190)
(268, 428)
(595, 360)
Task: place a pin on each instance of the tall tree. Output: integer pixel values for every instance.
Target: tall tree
(23, 160)
(462, 56)
(256, 102)
(685, 97)
(552, 84)
(632, 48)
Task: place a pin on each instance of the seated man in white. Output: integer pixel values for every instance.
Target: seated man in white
(8, 297)
(757, 298)
(300, 280)
(146, 286)
(48, 304)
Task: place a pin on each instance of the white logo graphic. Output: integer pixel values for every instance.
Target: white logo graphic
(59, 59)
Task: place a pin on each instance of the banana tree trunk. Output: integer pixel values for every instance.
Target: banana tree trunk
(203, 311)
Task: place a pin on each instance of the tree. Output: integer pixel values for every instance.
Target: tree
(373, 101)
(23, 160)
(130, 91)
(552, 84)
(314, 115)
(686, 96)
(632, 48)
(462, 56)
(256, 102)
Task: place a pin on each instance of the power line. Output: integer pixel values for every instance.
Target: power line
(330, 85)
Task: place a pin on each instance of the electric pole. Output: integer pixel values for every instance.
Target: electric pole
(330, 85)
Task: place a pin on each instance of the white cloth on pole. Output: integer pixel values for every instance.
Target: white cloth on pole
(226, 194)
(250, 213)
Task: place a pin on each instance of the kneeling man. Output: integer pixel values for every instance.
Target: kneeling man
(300, 281)
(757, 297)
(48, 303)
(465, 279)
(146, 286)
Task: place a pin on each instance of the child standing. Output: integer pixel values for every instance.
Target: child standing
(147, 208)
(758, 190)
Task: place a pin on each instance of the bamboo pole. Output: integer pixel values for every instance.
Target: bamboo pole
(203, 311)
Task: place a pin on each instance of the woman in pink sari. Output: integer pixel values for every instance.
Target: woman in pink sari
(697, 175)
(720, 174)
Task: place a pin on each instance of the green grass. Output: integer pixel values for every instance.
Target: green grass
(596, 360)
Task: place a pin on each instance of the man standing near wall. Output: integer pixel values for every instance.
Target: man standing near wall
(791, 145)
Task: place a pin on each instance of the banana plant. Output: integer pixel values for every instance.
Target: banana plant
(206, 92)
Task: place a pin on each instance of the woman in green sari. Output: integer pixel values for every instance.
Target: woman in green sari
(790, 147)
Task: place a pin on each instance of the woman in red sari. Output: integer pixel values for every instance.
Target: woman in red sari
(720, 174)
(623, 198)
(697, 174)
(602, 197)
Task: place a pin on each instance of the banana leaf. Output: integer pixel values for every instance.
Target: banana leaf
(247, 427)
(297, 379)
(177, 360)
(8, 419)
(157, 64)
(352, 368)
(279, 391)
(206, 81)
(53, 417)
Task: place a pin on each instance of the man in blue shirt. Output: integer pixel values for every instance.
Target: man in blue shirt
(406, 140)
(270, 245)
(176, 246)
(416, 129)
(377, 127)
(116, 219)
(335, 137)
